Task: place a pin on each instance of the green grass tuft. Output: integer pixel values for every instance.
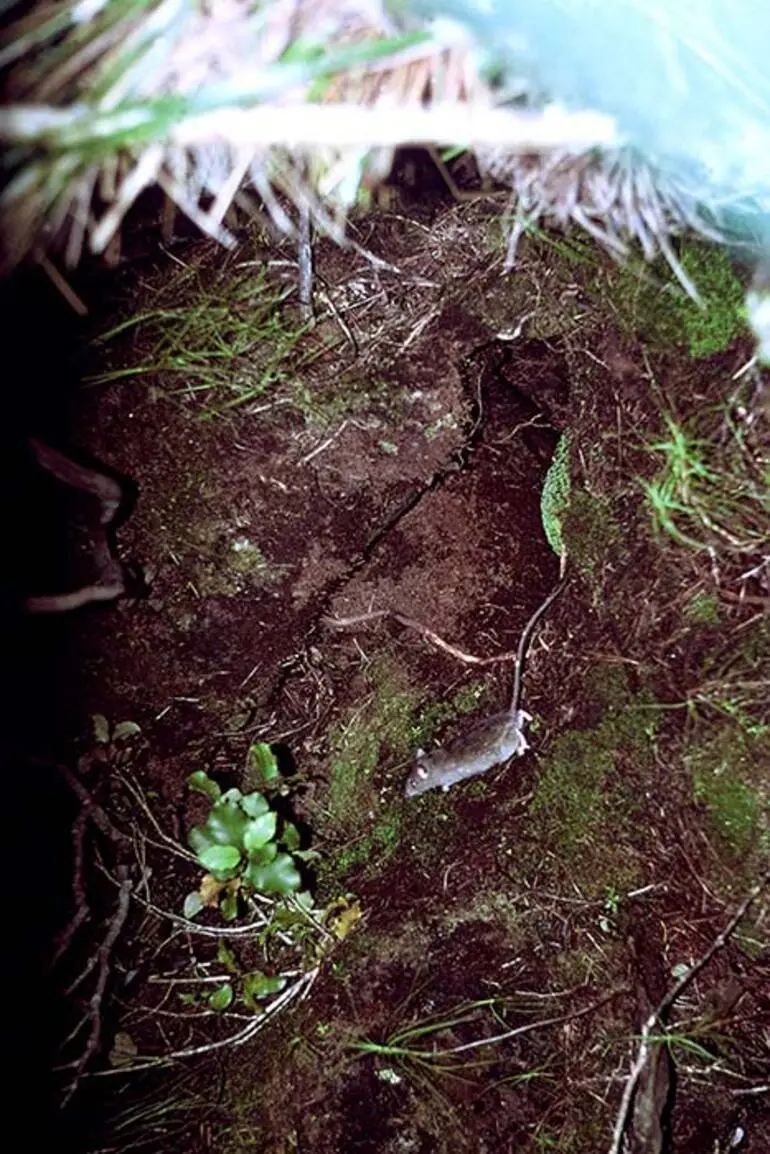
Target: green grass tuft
(223, 340)
(711, 492)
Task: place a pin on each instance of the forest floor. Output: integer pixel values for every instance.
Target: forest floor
(477, 965)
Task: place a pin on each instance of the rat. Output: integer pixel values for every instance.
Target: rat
(490, 742)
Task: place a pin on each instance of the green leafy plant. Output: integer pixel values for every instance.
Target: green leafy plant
(252, 987)
(243, 845)
(431, 1046)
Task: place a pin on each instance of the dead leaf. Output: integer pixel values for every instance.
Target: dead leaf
(124, 1050)
(341, 916)
(210, 889)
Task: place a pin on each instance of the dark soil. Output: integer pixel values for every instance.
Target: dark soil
(398, 463)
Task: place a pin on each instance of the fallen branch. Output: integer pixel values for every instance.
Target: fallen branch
(82, 910)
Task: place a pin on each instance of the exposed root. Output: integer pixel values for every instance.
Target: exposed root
(423, 630)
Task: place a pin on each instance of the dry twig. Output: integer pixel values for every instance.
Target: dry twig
(656, 1019)
(423, 630)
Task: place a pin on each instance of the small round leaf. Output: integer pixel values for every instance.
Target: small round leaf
(280, 876)
(199, 839)
(264, 854)
(193, 904)
(226, 823)
(254, 804)
(259, 831)
(257, 986)
(125, 729)
(222, 997)
(220, 858)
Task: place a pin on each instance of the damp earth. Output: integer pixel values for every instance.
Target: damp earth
(503, 942)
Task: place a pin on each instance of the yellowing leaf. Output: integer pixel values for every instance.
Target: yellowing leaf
(341, 917)
(124, 1050)
(210, 889)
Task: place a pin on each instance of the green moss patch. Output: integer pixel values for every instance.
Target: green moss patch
(376, 731)
(585, 803)
(651, 302)
(591, 533)
(730, 770)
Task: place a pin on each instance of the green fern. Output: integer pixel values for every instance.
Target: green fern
(555, 498)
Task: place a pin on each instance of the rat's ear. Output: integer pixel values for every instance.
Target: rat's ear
(420, 753)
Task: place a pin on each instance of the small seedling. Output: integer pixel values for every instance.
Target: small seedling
(609, 913)
(243, 845)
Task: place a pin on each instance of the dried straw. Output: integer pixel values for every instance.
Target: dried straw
(304, 102)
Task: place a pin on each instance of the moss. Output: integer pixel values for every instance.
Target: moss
(652, 303)
(379, 728)
(703, 609)
(730, 770)
(591, 532)
(733, 808)
(434, 716)
(387, 729)
(607, 687)
(584, 804)
(376, 847)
